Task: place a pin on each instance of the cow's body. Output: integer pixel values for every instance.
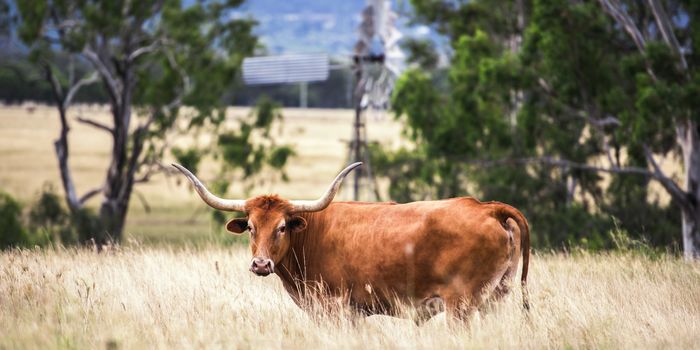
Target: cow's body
(375, 255)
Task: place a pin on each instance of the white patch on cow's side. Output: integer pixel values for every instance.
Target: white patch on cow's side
(408, 248)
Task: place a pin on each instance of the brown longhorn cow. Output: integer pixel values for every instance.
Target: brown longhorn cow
(459, 250)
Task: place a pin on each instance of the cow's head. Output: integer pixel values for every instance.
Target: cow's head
(270, 220)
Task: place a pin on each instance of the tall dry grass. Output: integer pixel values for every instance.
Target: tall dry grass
(205, 298)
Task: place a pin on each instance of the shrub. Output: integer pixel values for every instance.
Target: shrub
(12, 234)
(49, 216)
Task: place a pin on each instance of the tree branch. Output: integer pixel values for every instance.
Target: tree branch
(61, 144)
(95, 124)
(61, 148)
(673, 189)
(90, 194)
(143, 201)
(614, 8)
(657, 174)
(136, 148)
(55, 84)
(186, 83)
(564, 163)
(113, 86)
(144, 50)
(152, 169)
(74, 89)
(666, 29)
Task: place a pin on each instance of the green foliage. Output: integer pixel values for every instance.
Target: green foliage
(421, 53)
(252, 147)
(46, 222)
(12, 234)
(249, 153)
(154, 57)
(624, 243)
(49, 218)
(410, 172)
(188, 158)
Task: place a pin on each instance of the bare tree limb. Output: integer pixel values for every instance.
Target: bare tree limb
(186, 83)
(564, 163)
(673, 189)
(607, 121)
(92, 78)
(138, 136)
(56, 87)
(143, 201)
(666, 29)
(614, 8)
(144, 50)
(61, 144)
(95, 124)
(85, 197)
(657, 174)
(65, 24)
(113, 84)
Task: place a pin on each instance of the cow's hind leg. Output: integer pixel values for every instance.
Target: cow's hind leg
(461, 306)
(428, 308)
(503, 287)
(459, 310)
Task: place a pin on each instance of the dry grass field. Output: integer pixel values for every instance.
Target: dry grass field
(148, 298)
(186, 291)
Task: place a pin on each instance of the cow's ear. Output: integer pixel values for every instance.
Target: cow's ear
(296, 224)
(237, 226)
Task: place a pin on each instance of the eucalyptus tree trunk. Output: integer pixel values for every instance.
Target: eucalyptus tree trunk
(126, 150)
(689, 141)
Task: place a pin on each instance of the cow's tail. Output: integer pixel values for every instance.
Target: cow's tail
(504, 212)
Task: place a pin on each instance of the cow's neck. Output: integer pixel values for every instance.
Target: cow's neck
(293, 268)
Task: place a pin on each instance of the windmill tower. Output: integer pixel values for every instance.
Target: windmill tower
(377, 62)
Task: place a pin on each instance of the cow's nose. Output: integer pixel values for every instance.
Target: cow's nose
(262, 266)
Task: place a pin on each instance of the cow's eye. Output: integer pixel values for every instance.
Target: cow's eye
(282, 228)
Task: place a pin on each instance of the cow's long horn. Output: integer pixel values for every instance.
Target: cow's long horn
(213, 201)
(327, 198)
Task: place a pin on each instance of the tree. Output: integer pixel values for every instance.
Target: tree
(151, 57)
(638, 91)
(466, 129)
(550, 87)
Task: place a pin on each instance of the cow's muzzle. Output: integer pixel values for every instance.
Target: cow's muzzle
(262, 266)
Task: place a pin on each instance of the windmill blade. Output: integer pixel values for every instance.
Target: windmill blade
(395, 61)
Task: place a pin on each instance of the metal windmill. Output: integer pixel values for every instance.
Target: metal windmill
(378, 61)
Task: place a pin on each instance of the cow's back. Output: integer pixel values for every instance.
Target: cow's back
(413, 251)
